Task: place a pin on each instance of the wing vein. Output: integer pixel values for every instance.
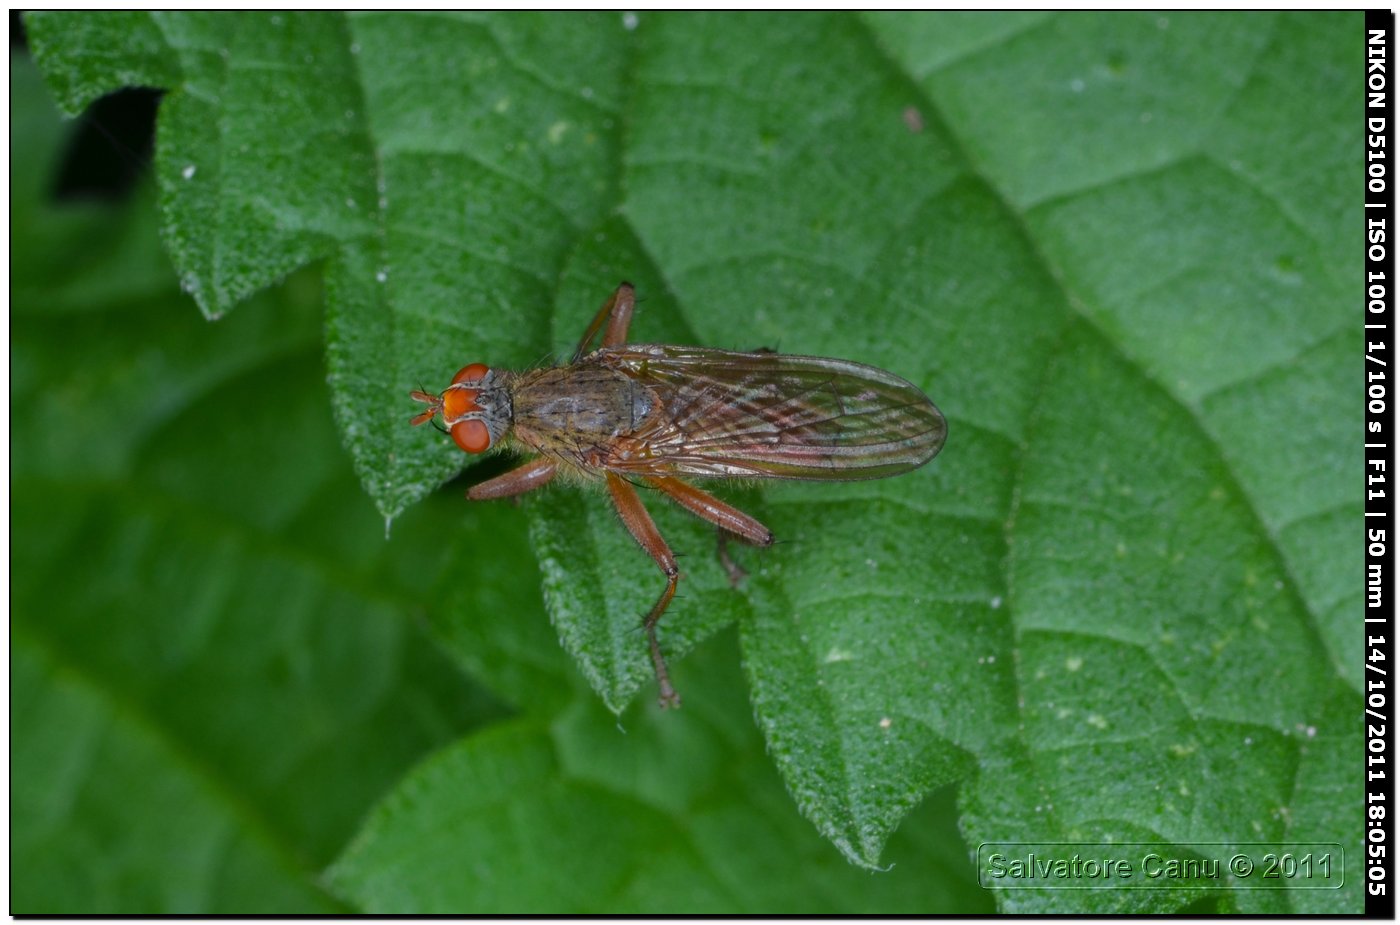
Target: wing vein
(721, 413)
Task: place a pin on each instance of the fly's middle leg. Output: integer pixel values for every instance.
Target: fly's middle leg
(643, 529)
(616, 313)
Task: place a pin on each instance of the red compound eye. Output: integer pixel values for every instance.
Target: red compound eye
(471, 373)
(472, 436)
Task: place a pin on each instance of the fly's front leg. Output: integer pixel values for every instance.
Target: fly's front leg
(616, 313)
(727, 518)
(534, 474)
(643, 530)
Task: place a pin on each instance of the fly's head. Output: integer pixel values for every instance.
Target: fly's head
(475, 408)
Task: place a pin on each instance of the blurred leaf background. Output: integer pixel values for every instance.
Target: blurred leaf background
(1116, 250)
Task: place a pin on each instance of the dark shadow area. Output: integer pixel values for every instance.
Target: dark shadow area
(111, 148)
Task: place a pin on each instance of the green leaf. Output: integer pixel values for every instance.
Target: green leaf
(648, 816)
(212, 675)
(111, 815)
(1118, 603)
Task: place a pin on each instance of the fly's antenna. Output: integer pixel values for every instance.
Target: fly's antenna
(434, 403)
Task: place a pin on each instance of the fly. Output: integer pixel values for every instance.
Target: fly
(653, 415)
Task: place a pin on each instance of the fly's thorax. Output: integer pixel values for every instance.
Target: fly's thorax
(573, 411)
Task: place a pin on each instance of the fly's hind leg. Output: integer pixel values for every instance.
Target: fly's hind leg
(616, 313)
(643, 529)
(734, 570)
(729, 520)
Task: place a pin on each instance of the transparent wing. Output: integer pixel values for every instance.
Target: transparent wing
(770, 415)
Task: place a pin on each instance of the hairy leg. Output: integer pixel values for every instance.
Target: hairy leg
(643, 530)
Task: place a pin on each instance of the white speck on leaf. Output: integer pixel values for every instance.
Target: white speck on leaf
(629, 21)
(188, 172)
